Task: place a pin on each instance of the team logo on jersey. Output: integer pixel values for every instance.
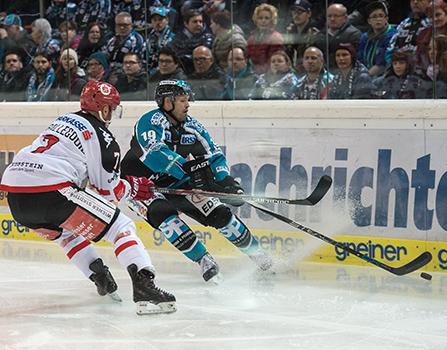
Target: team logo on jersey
(105, 89)
(87, 135)
(107, 138)
(187, 140)
(157, 119)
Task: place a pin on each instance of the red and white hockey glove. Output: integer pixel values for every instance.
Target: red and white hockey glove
(140, 188)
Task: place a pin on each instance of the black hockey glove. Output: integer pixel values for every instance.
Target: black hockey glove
(200, 173)
(230, 185)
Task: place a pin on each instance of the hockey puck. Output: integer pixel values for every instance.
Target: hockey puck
(426, 276)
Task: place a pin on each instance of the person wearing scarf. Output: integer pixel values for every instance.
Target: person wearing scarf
(399, 82)
(279, 83)
(351, 80)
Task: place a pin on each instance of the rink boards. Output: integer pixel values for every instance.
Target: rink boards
(283, 244)
(388, 161)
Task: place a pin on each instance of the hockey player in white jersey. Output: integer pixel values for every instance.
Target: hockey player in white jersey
(174, 149)
(46, 184)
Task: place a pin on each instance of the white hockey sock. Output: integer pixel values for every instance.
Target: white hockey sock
(78, 250)
(127, 245)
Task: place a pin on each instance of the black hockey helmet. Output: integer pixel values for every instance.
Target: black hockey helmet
(171, 88)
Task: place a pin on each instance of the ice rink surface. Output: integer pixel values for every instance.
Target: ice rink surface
(50, 305)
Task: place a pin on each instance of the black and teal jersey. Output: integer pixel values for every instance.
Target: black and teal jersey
(158, 149)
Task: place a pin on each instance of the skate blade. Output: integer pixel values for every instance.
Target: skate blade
(115, 297)
(147, 308)
(216, 280)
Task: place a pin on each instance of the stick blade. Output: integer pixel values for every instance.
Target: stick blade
(323, 185)
(413, 265)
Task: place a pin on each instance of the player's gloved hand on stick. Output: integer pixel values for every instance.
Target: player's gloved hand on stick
(200, 173)
(230, 185)
(140, 188)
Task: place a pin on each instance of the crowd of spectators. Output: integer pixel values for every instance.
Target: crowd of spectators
(283, 49)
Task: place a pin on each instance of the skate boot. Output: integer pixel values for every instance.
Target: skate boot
(210, 269)
(103, 279)
(149, 298)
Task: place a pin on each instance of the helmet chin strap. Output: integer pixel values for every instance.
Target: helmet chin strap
(170, 112)
(106, 122)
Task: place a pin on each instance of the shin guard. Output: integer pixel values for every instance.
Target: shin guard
(238, 234)
(182, 237)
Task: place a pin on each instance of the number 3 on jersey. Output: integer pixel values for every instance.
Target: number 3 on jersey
(51, 140)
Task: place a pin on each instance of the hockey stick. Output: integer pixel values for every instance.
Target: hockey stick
(317, 194)
(411, 266)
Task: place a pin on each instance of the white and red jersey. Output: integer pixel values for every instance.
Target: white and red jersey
(75, 149)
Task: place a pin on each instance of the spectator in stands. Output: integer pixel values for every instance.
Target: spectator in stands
(70, 79)
(279, 83)
(226, 36)
(399, 82)
(169, 66)
(192, 36)
(13, 77)
(315, 83)
(208, 79)
(432, 80)
(41, 35)
(98, 67)
(300, 33)
(126, 40)
(437, 12)
(264, 40)
(92, 41)
(60, 11)
(15, 37)
(409, 29)
(339, 30)
(41, 78)
(351, 80)
(136, 10)
(374, 43)
(89, 11)
(172, 10)
(68, 33)
(358, 12)
(240, 78)
(132, 82)
(160, 36)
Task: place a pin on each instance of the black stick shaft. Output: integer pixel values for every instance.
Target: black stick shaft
(411, 266)
(317, 194)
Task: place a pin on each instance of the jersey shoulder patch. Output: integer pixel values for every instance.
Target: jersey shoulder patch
(158, 119)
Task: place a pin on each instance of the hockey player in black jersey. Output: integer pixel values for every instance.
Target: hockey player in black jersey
(173, 149)
(47, 183)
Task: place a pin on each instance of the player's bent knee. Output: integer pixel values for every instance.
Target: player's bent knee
(159, 211)
(219, 217)
(123, 226)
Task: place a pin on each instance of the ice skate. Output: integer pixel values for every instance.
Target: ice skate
(210, 269)
(103, 279)
(262, 260)
(149, 298)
